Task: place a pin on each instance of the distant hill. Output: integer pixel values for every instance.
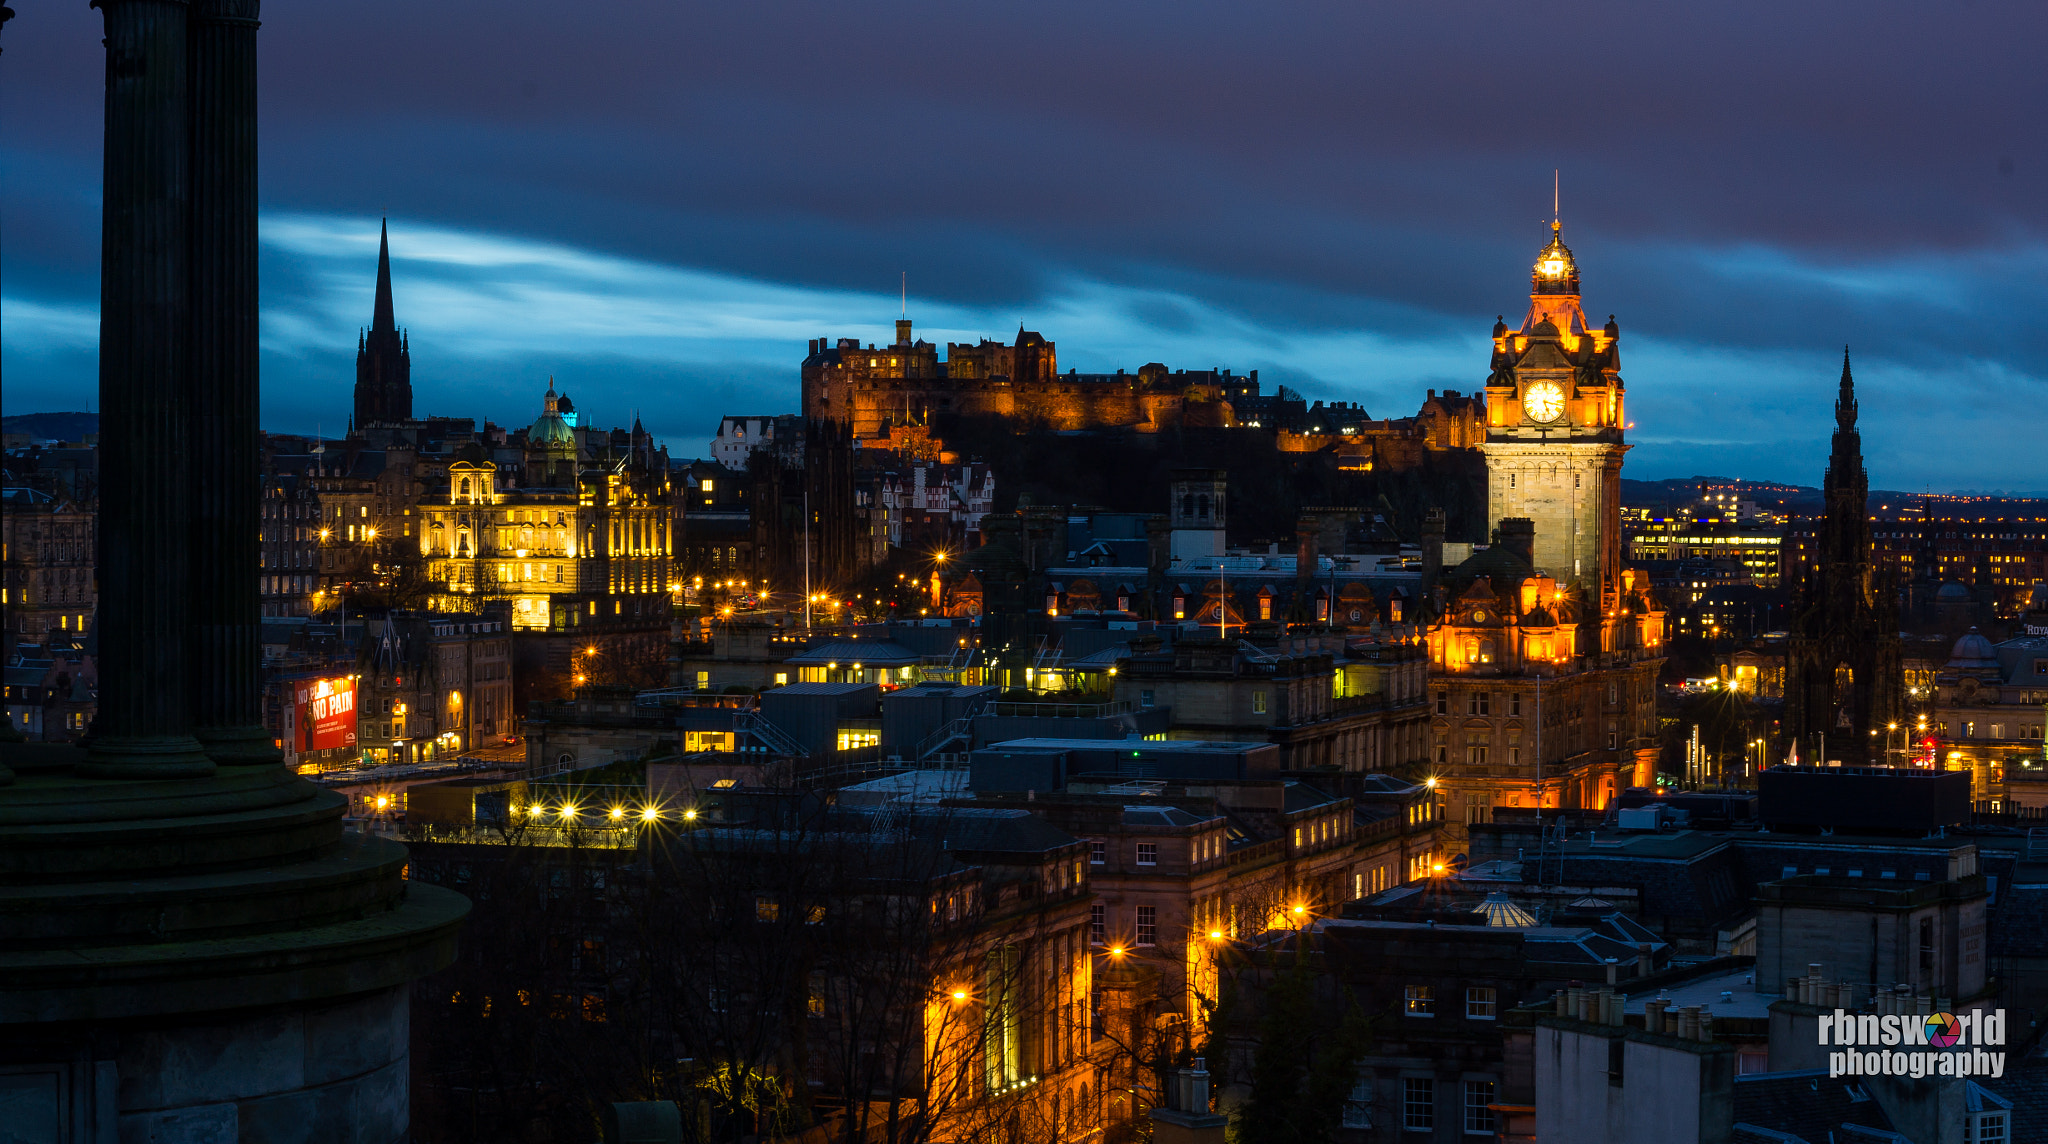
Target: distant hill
(1675, 492)
(52, 426)
(1794, 499)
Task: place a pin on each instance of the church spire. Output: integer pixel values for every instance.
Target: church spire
(1845, 401)
(382, 319)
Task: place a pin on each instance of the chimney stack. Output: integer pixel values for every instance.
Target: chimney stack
(1518, 535)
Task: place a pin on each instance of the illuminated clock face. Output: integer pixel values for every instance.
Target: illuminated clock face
(1544, 401)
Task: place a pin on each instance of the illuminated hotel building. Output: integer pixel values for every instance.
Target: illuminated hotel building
(1545, 651)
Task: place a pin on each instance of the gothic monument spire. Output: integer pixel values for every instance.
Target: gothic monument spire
(384, 363)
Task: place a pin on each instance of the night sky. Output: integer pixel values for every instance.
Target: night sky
(657, 203)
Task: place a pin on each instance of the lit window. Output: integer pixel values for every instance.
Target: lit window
(1419, 1000)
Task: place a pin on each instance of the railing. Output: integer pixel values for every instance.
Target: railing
(958, 729)
(1054, 710)
(775, 738)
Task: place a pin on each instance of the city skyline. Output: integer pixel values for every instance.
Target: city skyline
(680, 263)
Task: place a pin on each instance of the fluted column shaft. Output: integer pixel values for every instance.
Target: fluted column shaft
(143, 728)
(226, 649)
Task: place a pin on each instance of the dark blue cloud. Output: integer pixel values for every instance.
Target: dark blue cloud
(1340, 194)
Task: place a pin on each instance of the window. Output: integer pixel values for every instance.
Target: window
(1476, 755)
(815, 1003)
(1148, 854)
(1443, 703)
(1515, 703)
(1098, 928)
(1478, 1117)
(1419, 1001)
(1098, 852)
(1989, 1129)
(1258, 703)
(1358, 1107)
(1479, 1003)
(766, 908)
(1418, 1103)
(703, 681)
(1148, 925)
(1144, 698)
(782, 679)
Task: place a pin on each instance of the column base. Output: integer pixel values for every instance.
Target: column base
(146, 757)
(239, 746)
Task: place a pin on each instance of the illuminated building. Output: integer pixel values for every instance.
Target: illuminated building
(1843, 676)
(1555, 421)
(1545, 649)
(48, 558)
(1991, 703)
(586, 538)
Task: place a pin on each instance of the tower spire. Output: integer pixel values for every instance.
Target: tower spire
(382, 320)
(1845, 400)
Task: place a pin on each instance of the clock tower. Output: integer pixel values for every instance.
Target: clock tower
(1554, 421)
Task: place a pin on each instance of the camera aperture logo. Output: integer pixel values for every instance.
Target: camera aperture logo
(1915, 1045)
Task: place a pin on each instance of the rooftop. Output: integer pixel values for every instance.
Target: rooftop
(1742, 998)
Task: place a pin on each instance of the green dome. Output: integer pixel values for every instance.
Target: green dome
(551, 432)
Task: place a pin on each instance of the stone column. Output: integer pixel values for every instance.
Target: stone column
(143, 729)
(225, 648)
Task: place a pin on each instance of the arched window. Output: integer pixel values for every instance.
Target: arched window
(1187, 504)
(1202, 507)
(1486, 651)
(465, 486)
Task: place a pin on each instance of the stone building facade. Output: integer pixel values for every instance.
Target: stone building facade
(49, 558)
(1545, 648)
(575, 543)
(1555, 422)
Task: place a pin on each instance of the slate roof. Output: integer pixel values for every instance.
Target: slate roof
(1386, 784)
(1159, 816)
(2025, 1084)
(999, 830)
(2019, 924)
(1806, 1107)
(877, 653)
(1301, 796)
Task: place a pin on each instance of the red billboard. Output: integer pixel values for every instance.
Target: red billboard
(324, 714)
